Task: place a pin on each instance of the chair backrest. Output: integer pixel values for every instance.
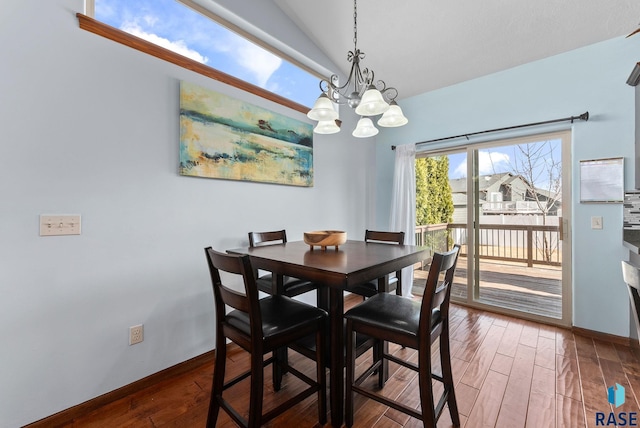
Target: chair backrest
(377, 236)
(437, 293)
(631, 275)
(246, 302)
(389, 238)
(267, 238)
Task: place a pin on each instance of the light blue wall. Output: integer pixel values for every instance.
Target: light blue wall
(90, 127)
(588, 79)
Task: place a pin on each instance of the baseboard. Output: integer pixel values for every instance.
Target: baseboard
(67, 416)
(618, 340)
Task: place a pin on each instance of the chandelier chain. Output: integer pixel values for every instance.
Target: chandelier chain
(355, 25)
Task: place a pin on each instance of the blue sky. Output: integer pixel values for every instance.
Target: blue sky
(174, 26)
(506, 158)
(491, 162)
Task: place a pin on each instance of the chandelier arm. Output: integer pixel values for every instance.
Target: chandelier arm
(389, 93)
(354, 79)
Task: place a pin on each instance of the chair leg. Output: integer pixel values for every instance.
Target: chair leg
(279, 367)
(426, 390)
(447, 376)
(218, 383)
(321, 375)
(351, 366)
(256, 392)
(378, 351)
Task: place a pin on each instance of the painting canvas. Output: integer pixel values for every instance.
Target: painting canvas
(223, 137)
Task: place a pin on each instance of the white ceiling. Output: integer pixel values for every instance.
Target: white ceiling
(422, 45)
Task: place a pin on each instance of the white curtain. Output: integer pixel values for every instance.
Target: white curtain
(403, 204)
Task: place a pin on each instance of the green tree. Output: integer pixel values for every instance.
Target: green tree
(434, 202)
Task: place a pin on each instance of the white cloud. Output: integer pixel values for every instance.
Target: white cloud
(489, 163)
(461, 170)
(150, 20)
(178, 46)
(492, 162)
(257, 61)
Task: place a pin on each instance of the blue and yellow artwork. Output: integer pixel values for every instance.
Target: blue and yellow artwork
(226, 138)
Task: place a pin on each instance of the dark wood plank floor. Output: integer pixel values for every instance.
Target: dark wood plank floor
(509, 373)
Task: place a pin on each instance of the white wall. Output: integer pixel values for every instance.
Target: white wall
(592, 78)
(90, 127)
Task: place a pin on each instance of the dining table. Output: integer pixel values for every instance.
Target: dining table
(335, 270)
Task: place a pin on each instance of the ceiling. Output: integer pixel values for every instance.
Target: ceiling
(422, 45)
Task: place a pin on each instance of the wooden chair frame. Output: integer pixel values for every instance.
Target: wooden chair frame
(292, 286)
(371, 289)
(433, 324)
(258, 343)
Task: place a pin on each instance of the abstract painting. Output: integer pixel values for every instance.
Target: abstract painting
(223, 137)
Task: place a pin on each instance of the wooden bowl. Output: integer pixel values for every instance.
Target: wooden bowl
(325, 238)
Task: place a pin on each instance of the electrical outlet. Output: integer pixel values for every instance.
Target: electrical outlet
(136, 334)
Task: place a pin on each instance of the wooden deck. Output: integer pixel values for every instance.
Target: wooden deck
(535, 290)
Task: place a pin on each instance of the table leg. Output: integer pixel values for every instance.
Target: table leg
(383, 287)
(280, 354)
(336, 387)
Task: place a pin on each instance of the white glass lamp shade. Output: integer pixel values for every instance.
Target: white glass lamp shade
(372, 103)
(393, 117)
(322, 109)
(365, 128)
(326, 127)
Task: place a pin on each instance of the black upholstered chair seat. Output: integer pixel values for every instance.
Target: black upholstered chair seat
(370, 289)
(292, 286)
(307, 345)
(280, 315)
(393, 313)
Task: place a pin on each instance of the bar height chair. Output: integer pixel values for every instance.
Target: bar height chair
(412, 324)
(370, 289)
(260, 326)
(292, 286)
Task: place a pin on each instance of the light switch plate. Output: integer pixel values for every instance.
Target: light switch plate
(596, 222)
(53, 225)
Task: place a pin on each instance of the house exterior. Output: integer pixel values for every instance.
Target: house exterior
(501, 194)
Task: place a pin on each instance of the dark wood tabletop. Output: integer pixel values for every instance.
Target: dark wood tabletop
(354, 262)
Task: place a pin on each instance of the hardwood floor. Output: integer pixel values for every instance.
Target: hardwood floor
(509, 373)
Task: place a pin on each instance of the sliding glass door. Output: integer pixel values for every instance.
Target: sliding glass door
(511, 202)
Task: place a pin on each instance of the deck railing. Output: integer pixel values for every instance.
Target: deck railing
(528, 244)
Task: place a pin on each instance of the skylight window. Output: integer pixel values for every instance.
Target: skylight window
(174, 26)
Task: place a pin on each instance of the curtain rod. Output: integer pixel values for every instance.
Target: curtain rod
(584, 116)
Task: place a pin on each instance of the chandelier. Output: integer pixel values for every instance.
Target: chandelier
(361, 92)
